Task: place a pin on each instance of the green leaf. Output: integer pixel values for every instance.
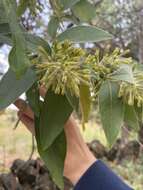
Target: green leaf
(4, 29)
(33, 98)
(16, 60)
(82, 34)
(54, 158)
(124, 73)
(85, 102)
(65, 4)
(11, 88)
(5, 39)
(5, 34)
(73, 100)
(55, 112)
(19, 61)
(53, 26)
(131, 117)
(33, 43)
(111, 110)
(84, 10)
(22, 7)
(139, 113)
(37, 132)
(3, 18)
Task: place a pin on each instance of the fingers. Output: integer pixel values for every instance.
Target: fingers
(23, 107)
(27, 121)
(25, 114)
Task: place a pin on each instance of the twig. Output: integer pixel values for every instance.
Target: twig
(33, 148)
(17, 123)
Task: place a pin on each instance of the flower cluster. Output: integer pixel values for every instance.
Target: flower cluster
(103, 66)
(132, 93)
(109, 63)
(65, 69)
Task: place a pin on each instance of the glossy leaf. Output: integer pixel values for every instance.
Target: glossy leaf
(131, 117)
(85, 103)
(19, 61)
(124, 73)
(82, 34)
(56, 111)
(11, 88)
(84, 10)
(111, 110)
(53, 26)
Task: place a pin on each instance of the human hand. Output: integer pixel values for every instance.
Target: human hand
(78, 157)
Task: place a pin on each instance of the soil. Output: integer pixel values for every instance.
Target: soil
(33, 175)
(29, 175)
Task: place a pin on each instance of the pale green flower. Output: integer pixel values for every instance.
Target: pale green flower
(65, 69)
(133, 93)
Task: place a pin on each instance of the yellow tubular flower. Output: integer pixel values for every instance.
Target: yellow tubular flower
(133, 93)
(109, 63)
(65, 69)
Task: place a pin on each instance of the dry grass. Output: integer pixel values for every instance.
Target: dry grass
(17, 144)
(13, 143)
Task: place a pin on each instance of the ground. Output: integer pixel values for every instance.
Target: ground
(17, 144)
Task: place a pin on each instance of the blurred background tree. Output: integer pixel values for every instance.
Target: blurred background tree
(124, 20)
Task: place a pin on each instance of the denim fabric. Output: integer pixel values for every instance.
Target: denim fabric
(100, 177)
